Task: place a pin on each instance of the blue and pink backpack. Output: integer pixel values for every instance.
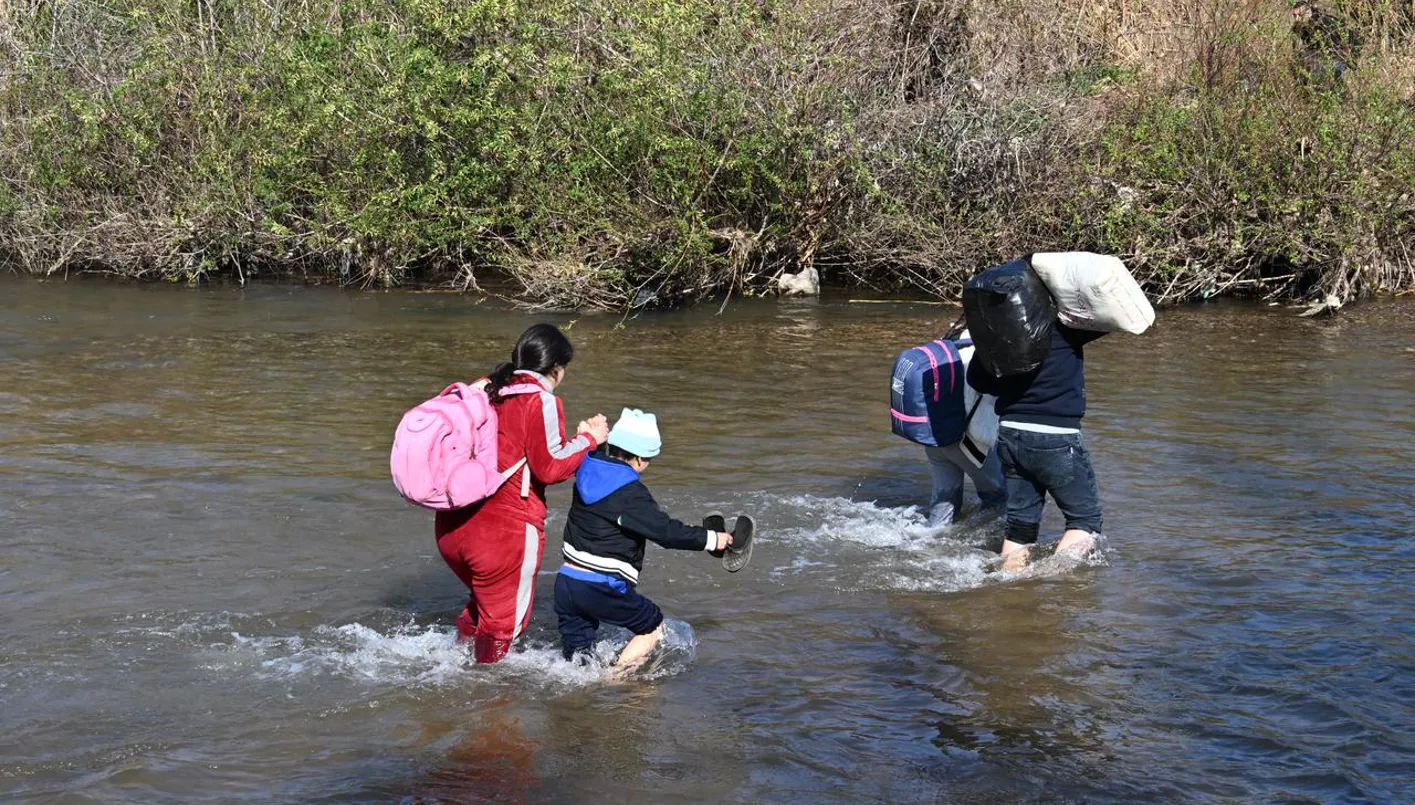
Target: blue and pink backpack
(926, 398)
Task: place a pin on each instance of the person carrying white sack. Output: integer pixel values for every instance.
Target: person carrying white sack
(1035, 316)
(950, 464)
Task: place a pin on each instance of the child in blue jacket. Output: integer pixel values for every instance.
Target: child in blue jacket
(612, 517)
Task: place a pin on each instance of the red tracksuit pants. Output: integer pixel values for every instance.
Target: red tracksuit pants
(496, 555)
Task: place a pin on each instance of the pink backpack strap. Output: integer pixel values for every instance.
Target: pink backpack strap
(953, 358)
(520, 388)
(514, 391)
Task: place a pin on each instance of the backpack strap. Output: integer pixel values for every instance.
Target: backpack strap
(506, 391)
(971, 449)
(520, 388)
(519, 466)
(973, 410)
(953, 357)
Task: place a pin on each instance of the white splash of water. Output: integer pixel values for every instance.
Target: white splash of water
(413, 655)
(938, 574)
(862, 545)
(796, 566)
(865, 523)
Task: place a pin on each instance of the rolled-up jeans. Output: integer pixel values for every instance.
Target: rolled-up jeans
(950, 466)
(1038, 464)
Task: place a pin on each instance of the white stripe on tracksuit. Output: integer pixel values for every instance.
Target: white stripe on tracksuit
(558, 450)
(527, 583)
(603, 564)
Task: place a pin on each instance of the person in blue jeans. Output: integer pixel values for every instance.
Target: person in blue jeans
(1041, 448)
(610, 520)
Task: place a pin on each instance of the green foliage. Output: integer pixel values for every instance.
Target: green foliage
(418, 134)
(1314, 188)
(607, 150)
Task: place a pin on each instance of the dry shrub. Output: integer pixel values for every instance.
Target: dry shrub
(615, 153)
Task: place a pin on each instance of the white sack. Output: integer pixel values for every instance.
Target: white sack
(1094, 292)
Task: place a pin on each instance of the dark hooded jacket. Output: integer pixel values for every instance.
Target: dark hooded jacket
(613, 515)
(1053, 395)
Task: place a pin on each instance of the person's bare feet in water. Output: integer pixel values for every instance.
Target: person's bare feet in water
(635, 653)
(1015, 556)
(1076, 543)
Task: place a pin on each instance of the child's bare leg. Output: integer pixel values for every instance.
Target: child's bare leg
(638, 648)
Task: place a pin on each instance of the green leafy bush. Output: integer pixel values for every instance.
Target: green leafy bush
(610, 152)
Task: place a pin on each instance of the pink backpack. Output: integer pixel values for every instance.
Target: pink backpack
(444, 451)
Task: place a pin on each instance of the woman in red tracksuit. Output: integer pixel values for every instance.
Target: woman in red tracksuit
(495, 547)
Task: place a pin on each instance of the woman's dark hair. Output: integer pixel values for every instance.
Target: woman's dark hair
(542, 349)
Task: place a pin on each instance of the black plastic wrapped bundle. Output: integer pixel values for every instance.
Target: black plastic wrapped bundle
(1010, 316)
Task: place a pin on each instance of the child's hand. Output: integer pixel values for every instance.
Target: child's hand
(598, 427)
(723, 540)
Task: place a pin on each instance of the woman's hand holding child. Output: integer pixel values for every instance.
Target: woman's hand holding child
(596, 426)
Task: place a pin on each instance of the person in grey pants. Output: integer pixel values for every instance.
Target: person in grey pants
(950, 464)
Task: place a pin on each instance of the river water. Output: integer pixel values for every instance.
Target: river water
(211, 594)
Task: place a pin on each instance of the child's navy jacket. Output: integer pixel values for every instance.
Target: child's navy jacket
(613, 515)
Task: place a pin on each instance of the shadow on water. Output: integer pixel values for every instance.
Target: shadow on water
(491, 761)
(509, 751)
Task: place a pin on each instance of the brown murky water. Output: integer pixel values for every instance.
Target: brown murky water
(211, 593)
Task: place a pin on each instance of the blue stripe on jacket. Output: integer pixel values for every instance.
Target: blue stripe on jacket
(613, 582)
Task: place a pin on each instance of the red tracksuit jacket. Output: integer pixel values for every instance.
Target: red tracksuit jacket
(495, 546)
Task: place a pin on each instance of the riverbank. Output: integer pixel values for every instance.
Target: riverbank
(598, 154)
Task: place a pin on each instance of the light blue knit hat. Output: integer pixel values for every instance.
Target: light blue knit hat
(636, 432)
